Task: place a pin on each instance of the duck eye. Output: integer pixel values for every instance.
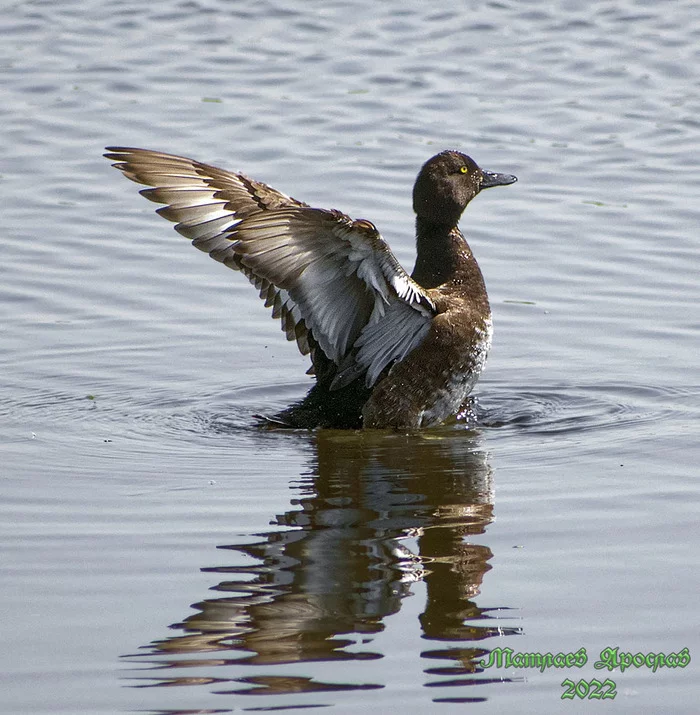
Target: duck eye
(463, 170)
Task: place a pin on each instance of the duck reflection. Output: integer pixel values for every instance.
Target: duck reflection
(377, 513)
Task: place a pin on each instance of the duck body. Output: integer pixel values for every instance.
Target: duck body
(388, 350)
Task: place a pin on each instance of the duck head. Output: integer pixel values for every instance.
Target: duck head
(447, 183)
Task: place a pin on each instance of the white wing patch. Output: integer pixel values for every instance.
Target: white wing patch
(308, 252)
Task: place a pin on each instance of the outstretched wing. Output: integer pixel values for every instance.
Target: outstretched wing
(326, 276)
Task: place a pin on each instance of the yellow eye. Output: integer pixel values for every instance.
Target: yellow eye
(463, 170)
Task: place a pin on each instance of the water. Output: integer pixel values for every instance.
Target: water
(161, 554)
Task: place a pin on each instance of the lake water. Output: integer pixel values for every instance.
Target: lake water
(161, 553)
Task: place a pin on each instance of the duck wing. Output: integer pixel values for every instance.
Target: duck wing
(330, 280)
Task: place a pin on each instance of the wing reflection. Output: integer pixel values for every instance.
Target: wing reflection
(377, 514)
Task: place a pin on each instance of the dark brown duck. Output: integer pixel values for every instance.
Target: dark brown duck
(387, 349)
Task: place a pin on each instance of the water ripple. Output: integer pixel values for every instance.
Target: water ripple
(567, 409)
(538, 410)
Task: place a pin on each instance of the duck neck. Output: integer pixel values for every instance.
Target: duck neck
(443, 256)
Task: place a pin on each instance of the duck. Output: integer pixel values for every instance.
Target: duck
(388, 350)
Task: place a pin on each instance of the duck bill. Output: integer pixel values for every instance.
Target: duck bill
(492, 178)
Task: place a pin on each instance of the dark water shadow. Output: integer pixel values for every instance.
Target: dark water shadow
(375, 514)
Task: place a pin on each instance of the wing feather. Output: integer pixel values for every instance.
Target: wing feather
(395, 334)
(324, 275)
